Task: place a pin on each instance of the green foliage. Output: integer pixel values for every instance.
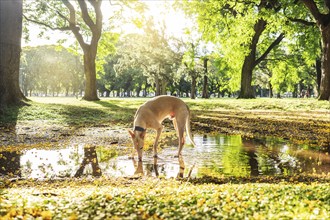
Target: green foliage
(231, 26)
(152, 58)
(50, 69)
(150, 52)
(106, 47)
(168, 199)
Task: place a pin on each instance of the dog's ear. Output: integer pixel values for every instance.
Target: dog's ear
(131, 133)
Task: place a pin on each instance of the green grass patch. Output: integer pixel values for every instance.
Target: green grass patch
(71, 111)
(151, 198)
(259, 104)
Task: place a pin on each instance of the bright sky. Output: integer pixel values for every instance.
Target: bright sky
(175, 22)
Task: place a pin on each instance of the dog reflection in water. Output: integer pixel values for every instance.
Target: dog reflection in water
(139, 171)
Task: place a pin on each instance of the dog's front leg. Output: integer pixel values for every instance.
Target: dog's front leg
(132, 154)
(159, 131)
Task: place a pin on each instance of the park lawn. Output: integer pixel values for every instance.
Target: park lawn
(51, 120)
(302, 121)
(72, 111)
(154, 198)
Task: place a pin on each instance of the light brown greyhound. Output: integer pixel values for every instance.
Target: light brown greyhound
(151, 115)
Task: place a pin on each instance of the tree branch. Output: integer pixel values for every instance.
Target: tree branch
(302, 21)
(73, 24)
(87, 19)
(99, 16)
(72, 19)
(275, 43)
(62, 16)
(47, 25)
(311, 5)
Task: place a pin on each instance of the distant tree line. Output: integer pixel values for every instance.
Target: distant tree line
(51, 71)
(151, 63)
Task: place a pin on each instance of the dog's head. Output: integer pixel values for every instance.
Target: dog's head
(138, 141)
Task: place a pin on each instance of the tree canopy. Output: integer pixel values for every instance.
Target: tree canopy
(258, 48)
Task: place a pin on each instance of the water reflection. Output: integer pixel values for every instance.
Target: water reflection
(219, 155)
(10, 164)
(90, 157)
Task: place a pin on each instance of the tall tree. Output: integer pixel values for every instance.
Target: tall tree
(85, 23)
(205, 93)
(321, 13)
(191, 65)
(244, 29)
(10, 50)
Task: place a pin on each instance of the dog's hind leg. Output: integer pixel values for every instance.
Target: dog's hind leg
(175, 124)
(181, 126)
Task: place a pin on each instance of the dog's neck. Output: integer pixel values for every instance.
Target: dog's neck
(140, 123)
(138, 128)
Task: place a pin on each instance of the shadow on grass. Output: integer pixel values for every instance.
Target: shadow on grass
(81, 116)
(119, 114)
(8, 122)
(71, 115)
(9, 115)
(9, 161)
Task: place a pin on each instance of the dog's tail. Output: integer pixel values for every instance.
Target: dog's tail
(188, 130)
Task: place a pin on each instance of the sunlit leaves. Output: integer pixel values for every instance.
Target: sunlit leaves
(50, 69)
(106, 47)
(152, 198)
(230, 25)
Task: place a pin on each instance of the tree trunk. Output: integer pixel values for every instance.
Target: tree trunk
(325, 76)
(205, 94)
(157, 84)
(163, 86)
(318, 67)
(10, 51)
(246, 91)
(323, 22)
(90, 75)
(193, 86)
(270, 90)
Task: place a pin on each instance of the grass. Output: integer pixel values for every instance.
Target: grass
(151, 198)
(260, 104)
(304, 121)
(71, 111)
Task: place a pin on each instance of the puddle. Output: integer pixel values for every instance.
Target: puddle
(219, 155)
